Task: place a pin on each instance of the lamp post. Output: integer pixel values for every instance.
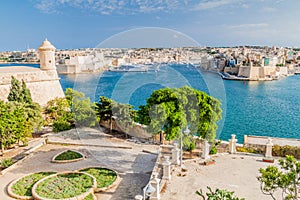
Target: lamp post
(185, 132)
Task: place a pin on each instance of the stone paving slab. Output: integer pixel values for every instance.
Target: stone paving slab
(236, 173)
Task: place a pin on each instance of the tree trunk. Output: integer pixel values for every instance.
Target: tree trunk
(2, 149)
(110, 125)
(161, 137)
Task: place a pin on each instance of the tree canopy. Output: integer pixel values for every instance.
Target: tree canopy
(19, 117)
(74, 109)
(19, 92)
(173, 109)
(106, 109)
(81, 107)
(286, 178)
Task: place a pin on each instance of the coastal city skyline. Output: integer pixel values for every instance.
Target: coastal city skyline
(86, 23)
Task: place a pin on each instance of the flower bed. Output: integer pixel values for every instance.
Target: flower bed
(68, 156)
(90, 197)
(75, 185)
(106, 178)
(21, 188)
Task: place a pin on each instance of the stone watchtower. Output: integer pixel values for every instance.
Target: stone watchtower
(47, 56)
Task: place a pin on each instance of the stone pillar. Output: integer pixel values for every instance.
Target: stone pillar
(232, 144)
(245, 139)
(205, 150)
(155, 183)
(269, 146)
(138, 197)
(175, 155)
(167, 168)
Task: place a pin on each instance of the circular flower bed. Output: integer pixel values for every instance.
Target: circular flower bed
(21, 188)
(64, 185)
(106, 178)
(68, 156)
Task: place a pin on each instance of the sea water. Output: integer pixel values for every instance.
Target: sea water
(266, 108)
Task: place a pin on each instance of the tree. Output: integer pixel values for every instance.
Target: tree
(25, 116)
(15, 93)
(171, 110)
(104, 110)
(82, 108)
(25, 94)
(74, 109)
(58, 114)
(4, 134)
(123, 114)
(217, 195)
(287, 179)
(57, 108)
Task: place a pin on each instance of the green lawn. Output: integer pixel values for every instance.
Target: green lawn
(23, 186)
(104, 177)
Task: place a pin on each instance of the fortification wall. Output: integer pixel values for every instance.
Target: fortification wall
(44, 85)
(244, 71)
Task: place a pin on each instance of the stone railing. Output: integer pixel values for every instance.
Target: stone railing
(168, 157)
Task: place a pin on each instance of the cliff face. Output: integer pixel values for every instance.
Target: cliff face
(44, 85)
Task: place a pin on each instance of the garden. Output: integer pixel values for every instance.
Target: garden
(80, 184)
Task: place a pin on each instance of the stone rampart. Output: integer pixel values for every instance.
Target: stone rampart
(44, 85)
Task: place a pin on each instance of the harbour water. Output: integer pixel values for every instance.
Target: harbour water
(269, 108)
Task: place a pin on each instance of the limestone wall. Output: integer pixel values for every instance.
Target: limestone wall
(255, 73)
(135, 130)
(44, 85)
(244, 71)
(28, 74)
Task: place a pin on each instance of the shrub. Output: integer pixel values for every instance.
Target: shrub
(284, 178)
(217, 195)
(61, 125)
(68, 155)
(214, 148)
(282, 151)
(6, 162)
(246, 149)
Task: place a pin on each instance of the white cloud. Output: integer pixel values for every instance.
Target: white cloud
(137, 6)
(210, 4)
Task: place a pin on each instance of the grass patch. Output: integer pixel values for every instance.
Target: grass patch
(105, 177)
(6, 162)
(68, 155)
(23, 186)
(89, 197)
(64, 186)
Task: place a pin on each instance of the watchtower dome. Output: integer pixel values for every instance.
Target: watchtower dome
(47, 56)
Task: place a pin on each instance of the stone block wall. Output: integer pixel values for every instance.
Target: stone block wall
(135, 130)
(44, 85)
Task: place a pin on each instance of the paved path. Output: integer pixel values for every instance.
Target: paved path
(232, 172)
(133, 165)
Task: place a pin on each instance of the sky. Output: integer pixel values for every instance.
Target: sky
(71, 24)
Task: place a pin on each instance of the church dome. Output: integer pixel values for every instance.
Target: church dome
(46, 45)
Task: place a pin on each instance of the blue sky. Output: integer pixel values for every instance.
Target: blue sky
(86, 23)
